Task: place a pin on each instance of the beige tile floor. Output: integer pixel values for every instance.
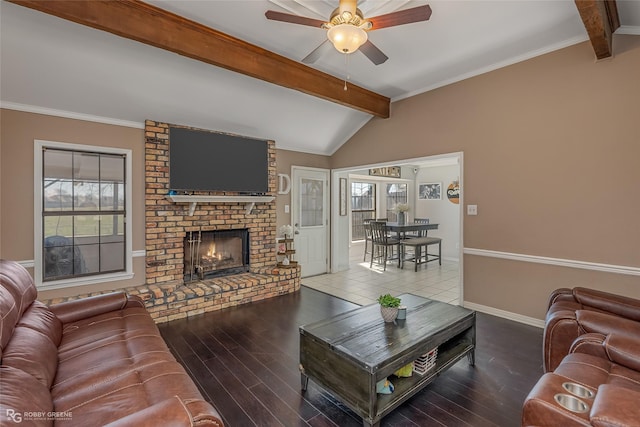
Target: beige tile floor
(362, 285)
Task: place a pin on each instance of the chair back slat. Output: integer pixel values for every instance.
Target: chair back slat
(421, 233)
(379, 232)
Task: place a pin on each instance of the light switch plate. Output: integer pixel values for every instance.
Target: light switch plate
(286, 208)
(472, 209)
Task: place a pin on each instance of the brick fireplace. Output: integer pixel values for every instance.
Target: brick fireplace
(169, 225)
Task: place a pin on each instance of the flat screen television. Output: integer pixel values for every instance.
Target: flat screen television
(209, 161)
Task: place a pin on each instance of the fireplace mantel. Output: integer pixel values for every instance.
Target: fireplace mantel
(193, 200)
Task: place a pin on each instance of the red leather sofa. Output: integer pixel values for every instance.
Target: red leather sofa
(93, 361)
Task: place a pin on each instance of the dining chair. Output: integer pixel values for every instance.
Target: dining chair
(419, 233)
(421, 255)
(382, 243)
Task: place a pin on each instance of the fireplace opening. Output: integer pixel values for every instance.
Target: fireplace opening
(215, 253)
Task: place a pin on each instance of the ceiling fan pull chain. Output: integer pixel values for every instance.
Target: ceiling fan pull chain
(346, 69)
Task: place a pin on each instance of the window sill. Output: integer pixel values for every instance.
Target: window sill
(83, 281)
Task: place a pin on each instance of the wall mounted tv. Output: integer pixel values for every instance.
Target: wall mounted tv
(209, 161)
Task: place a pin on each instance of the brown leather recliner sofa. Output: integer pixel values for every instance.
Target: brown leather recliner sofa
(89, 362)
(597, 381)
(574, 312)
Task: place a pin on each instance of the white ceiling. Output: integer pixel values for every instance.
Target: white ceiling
(51, 65)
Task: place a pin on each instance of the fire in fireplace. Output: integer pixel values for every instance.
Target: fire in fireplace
(215, 253)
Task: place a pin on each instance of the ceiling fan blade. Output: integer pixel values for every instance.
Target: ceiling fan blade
(293, 19)
(324, 47)
(372, 52)
(401, 17)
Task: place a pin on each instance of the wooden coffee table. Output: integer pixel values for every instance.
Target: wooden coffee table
(349, 353)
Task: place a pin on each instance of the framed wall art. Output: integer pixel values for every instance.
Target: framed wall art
(389, 171)
(343, 196)
(430, 191)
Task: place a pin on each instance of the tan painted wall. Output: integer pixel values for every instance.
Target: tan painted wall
(19, 130)
(552, 159)
(285, 159)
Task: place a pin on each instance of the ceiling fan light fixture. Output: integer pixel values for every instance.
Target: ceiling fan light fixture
(347, 38)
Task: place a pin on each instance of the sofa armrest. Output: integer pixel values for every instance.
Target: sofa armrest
(72, 311)
(615, 406)
(561, 293)
(560, 330)
(173, 412)
(604, 301)
(592, 344)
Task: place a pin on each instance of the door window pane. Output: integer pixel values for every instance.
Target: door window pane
(311, 202)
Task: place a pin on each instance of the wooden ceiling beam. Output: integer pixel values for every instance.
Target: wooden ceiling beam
(157, 27)
(600, 18)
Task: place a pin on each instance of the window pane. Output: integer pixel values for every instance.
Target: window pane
(107, 201)
(85, 195)
(363, 196)
(111, 168)
(91, 257)
(396, 193)
(86, 166)
(61, 258)
(112, 227)
(119, 196)
(57, 164)
(58, 226)
(112, 256)
(57, 194)
(86, 225)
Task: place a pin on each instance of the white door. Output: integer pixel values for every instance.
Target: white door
(310, 217)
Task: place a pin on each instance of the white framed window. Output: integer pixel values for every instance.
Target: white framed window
(82, 204)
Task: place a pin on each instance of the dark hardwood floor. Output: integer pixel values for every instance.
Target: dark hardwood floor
(245, 361)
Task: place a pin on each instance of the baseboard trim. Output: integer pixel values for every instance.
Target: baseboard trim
(531, 321)
(584, 265)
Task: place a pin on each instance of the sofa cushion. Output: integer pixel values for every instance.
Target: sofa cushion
(615, 406)
(116, 364)
(132, 390)
(24, 397)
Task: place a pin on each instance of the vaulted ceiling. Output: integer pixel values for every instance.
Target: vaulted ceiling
(222, 65)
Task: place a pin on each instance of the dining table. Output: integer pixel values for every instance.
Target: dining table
(402, 229)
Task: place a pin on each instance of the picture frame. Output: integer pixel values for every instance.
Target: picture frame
(430, 191)
(343, 196)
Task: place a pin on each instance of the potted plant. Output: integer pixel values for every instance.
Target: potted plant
(402, 209)
(389, 307)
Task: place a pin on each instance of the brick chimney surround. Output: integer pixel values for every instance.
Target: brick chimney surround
(166, 295)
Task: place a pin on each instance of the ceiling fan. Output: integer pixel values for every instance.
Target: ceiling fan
(347, 28)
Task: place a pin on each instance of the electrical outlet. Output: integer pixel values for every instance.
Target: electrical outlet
(472, 209)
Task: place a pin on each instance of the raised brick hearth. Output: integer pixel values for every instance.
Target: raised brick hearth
(167, 224)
